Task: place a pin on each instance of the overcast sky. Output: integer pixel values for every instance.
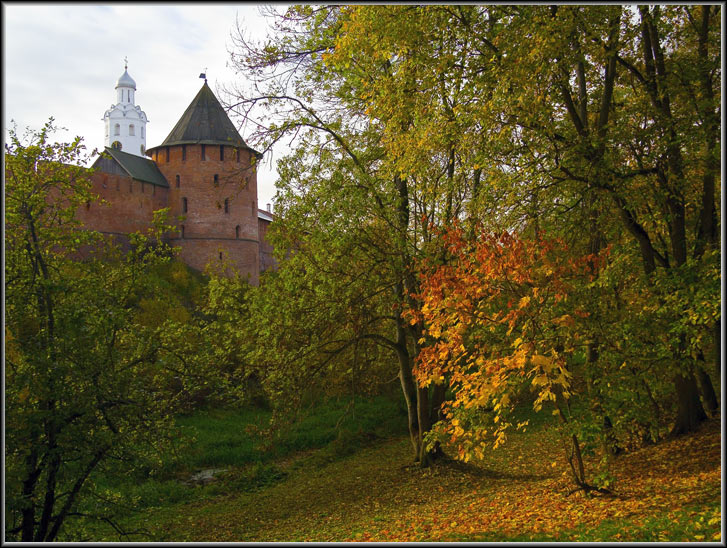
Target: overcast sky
(63, 60)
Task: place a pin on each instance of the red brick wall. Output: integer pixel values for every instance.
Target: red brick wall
(267, 260)
(197, 253)
(206, 219)
(130, 205)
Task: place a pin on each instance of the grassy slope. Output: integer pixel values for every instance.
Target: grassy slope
(667, 492)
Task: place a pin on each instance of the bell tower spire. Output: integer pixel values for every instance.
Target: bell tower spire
(124, 121)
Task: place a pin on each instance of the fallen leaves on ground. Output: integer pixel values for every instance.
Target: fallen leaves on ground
(514, 492)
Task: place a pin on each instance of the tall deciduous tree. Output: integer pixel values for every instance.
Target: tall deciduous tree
(586, 112)
(341, 195)
(569, 120)
(84, 383)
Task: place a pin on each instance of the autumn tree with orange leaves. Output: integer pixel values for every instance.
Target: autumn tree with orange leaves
(503, 315)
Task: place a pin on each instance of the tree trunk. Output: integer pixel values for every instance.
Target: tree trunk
(438, 396)
(28, 513)
(425, 424)
(408, 388)
(49, 499)
(690, 412)
(575, 458)
(708, 396)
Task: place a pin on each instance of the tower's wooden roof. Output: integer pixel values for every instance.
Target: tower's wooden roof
(204, 122)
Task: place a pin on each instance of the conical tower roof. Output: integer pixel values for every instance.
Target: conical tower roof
(204, 122)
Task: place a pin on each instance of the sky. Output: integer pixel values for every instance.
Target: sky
(63, 60)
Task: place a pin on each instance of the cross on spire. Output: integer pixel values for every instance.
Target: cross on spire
(126, 63)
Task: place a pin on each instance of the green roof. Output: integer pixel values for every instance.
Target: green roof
(204, 122)
(137, 167)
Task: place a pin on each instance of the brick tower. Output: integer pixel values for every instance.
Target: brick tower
(213, 186)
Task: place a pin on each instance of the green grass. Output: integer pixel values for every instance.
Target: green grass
(223, 439)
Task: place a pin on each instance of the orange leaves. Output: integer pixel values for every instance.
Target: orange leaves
(502, 311)
(522, 495)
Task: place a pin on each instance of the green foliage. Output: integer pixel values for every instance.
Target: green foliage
(87, 372)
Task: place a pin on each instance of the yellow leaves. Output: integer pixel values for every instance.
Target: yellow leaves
(524, 302)
(540, 380)
(499, 439)
(544, 362)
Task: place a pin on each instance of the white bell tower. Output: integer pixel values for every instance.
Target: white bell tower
(125, 122)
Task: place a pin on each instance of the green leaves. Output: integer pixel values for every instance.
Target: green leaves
(84, 379)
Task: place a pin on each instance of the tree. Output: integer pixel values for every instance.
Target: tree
(505, 314)
(524, 119)
(585, 111)
(85, 387)
(339, 192)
